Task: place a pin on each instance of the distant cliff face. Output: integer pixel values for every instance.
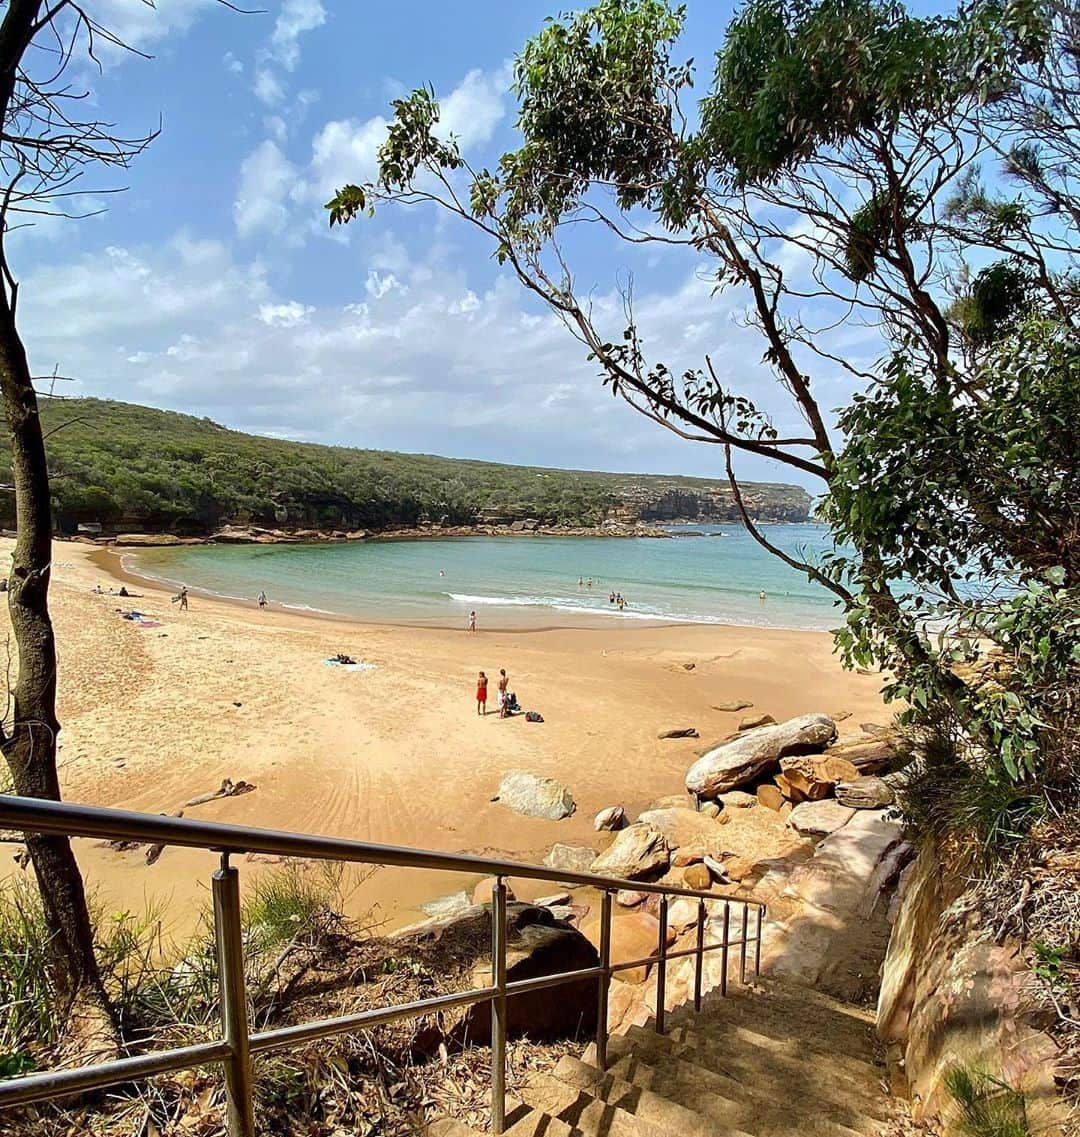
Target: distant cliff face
(763, 501)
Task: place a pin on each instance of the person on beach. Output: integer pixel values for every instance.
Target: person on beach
(182, 597)
(481, 694)
(262, 599)
(504, 684)
(761, 596)
(472, 621)
(580, 581)
(611, 598)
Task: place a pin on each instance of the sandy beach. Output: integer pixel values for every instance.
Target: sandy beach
(153, 716)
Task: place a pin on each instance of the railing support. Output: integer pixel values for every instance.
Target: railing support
(661, 974)
(724, 950)
(742, 943)
(498, 1006)
(603, 985)
(228, 939)
(699, 963)
(757, 944)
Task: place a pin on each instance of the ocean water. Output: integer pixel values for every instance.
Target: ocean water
(521, 582)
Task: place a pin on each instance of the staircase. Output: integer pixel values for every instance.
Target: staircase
(776, 1061)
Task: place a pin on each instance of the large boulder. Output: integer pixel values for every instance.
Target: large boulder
(535, 796)
(743, 759)
(634, 935)
(686, 829)
(537, 944)
(868, 754)
(819, 818)
(637, 852)
(810, 777)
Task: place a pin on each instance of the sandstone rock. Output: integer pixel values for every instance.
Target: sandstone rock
(634, 935)
(686, 828)
(683, 858)
(636, 852)
(672, 801)
(757, 752)
(628, 898)
(712, 809)
(770, 797)
(697, 876)
(682, 914)
(739, 868)
(813, 776)
(738, 799)
(689, 666)
(732, 705)
(537, 944)
(146, 540)
(867, 755)
(614, 817)
(865, 793)
(557, 899)
(751, 721)
(575, 858)
(680, 732)
(535, 796)
(819, 818)
(717, 869)
(447, 907)
(784, 786)
(482, 892)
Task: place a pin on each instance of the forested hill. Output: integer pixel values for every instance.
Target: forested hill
(131, 467)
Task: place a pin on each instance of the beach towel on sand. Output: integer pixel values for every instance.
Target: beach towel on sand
(359, 666)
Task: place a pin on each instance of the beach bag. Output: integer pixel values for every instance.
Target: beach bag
(533, 716)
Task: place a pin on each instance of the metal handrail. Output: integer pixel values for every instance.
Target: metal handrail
(235, 1049)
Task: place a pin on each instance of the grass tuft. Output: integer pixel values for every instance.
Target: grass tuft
(985, 1106)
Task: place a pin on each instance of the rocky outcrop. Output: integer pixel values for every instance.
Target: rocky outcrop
(612, 818)
(575, 858)
(953, 993)
(686, 830)
(743, 759)
(535, 796)
(638, 852)
(810, 777)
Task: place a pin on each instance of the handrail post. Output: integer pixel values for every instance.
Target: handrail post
(757, 942)
(742, 943)
(604, 983)
(661, 975)
(724, 949)
(498, 1006)
(699, 963)
(229, 942)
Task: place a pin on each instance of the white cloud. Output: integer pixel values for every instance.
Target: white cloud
(282, 53)
(233, 64)
(268, 180)
(422, 361)
(290, 315)
(295, 18)
(474, 107)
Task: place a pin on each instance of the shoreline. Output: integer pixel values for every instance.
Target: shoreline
(119, 563)
(155, 715)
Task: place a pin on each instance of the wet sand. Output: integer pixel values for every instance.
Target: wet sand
(154, 716)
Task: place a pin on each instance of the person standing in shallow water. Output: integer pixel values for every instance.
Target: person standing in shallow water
(481, 694)
(262, 599)
(472, 624)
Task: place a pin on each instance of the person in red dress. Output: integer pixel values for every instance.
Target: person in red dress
(481, 694)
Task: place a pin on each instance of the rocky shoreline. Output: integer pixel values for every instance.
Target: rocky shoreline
(257, 535)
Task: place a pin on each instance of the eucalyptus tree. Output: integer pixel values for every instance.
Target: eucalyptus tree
(849, 165)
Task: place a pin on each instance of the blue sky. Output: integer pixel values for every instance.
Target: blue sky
(213, 286)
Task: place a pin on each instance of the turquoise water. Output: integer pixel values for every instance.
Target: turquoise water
(516, 582)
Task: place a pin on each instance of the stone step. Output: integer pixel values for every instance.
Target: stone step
(583, 1113)
(664, 1115)
(524, 1121)
(812, 1021)
(728, 1037)
(837, 1098)
(755, 1065)
(730, 1102)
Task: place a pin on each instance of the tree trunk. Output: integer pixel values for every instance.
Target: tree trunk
(29, 737)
